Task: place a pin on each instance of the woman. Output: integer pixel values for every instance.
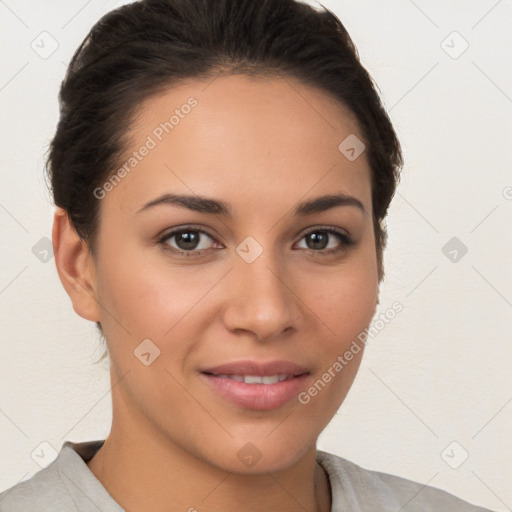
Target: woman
(222, 170)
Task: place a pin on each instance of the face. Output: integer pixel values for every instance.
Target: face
(214, 245)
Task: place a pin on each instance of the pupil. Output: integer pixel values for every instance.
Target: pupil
(187, 240)
(319, 240)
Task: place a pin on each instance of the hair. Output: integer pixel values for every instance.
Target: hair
(140, 49)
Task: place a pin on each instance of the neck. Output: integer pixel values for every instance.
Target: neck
(143, 471)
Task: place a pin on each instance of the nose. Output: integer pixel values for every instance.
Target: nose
(259, 299)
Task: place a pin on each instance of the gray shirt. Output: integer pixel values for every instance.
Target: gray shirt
(67, 485)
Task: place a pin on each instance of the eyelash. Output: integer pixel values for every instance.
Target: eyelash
(346, 241)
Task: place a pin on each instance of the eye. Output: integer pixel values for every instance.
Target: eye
(327, 240)
(187, 240)
(191, 241)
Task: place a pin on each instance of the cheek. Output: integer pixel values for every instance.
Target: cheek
(147, 295)
(345, 307)
(345, 300)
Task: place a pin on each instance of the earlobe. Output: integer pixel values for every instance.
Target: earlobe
(75, 267)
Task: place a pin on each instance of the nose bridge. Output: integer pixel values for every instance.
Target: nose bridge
(260, 299)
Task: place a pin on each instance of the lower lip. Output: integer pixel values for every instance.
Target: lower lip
(260, 397)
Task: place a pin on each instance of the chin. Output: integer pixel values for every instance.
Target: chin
(257, 457)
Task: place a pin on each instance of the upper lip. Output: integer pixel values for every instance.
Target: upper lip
(259, 368)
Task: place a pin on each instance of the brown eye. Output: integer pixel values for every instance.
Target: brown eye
(317, 240)
(187, 240)
(325, 240)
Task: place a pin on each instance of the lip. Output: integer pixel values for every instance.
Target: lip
(260, 368)
(259, 397)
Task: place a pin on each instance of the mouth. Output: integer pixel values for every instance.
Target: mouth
(257, 379)
(257, 386)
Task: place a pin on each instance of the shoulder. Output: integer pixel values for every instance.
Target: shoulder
(45, 490)
(356, 488)
(65, 484)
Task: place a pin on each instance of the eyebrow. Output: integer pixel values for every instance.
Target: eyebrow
(215, 207)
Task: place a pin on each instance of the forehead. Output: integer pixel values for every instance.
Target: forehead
(267, 135)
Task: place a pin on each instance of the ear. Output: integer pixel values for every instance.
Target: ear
(75, 266)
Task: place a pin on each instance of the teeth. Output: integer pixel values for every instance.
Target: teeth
(256, 379)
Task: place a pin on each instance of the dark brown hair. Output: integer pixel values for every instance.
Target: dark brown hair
(142, 48)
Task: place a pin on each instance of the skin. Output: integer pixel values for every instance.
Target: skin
(262, 145)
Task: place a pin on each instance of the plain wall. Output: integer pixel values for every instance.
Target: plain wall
(438, 373)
